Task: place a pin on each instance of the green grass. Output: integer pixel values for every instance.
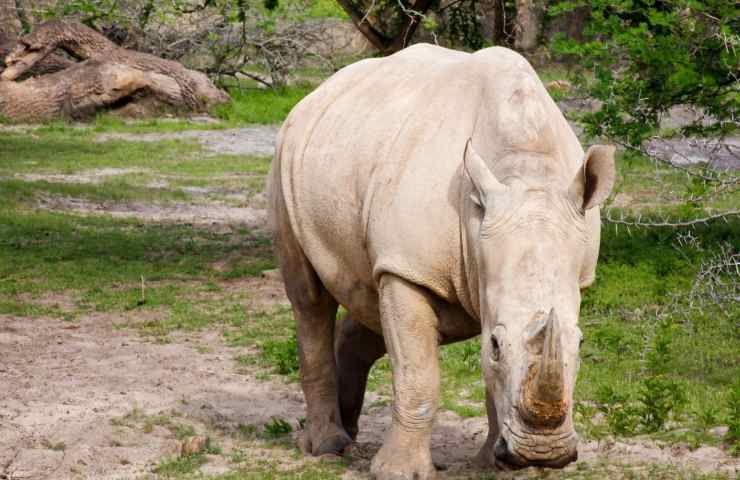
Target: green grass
(263, 106)
(179, 467)
(326, 9)
(167, 271)
(106, 123)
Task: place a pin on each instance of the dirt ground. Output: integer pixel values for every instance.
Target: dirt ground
(257, 140)
(68, 389)
(74, 396)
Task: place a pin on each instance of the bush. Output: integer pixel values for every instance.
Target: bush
(277, 428)
(659, 397)
(283, 354)
(647, 56)
(621, 415)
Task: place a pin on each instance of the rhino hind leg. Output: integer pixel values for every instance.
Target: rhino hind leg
(357, 349)
(315, 312)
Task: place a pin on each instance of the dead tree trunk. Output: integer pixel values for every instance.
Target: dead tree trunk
(528, 23)
(10, 24)
(105, 76)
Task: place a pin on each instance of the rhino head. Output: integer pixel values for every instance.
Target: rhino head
(528, 243)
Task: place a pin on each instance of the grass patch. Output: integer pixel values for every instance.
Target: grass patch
(262, 106)
(277, 428)
(106, 123)
(68, 150)
(179, 467)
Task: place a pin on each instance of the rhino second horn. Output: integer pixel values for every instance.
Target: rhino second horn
(545, 392)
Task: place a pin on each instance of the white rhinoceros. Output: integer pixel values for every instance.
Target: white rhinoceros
(438, 195)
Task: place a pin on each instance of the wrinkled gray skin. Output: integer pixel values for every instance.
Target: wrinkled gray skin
(438, 195)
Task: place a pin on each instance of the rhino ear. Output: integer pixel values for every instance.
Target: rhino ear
(593, 183)
(484, 180)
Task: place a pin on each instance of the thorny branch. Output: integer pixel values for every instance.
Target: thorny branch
(665, 222)
(717, 280)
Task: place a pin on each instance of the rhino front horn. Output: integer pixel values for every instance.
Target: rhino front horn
(544, 391)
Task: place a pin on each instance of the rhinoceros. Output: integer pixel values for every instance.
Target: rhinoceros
(437, 195)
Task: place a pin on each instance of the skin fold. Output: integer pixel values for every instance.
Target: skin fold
(438, 195)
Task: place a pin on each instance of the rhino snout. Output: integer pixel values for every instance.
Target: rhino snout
(527, 450)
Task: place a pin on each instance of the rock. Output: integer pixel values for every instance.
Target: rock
(272, 275)
(563, 85)
(194, 445)
(720, 154)
(719, 432)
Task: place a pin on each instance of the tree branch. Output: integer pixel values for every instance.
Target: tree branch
(377, 39)
(639, 222)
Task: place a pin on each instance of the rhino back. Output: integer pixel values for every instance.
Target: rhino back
(370, 163)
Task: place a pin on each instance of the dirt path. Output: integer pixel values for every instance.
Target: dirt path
(213, 214)
(78, 398)
(256, 140)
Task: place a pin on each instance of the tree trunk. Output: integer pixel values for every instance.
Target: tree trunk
(497, 26)
(106, 76)
(10, 24)
(388, 43)
(528, 25)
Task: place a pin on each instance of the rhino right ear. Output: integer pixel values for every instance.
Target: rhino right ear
(594, 181)
(483, 179)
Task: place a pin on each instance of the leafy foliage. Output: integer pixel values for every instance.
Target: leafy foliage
(659, 397)
(283, 354)
(647, 56)
(463, 25)
(277, 428)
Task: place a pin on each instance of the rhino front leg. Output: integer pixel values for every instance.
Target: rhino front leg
(411, 338)
(486, 457)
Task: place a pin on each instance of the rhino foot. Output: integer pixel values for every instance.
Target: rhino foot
(393, 464)
(329, 441)
(486, 457)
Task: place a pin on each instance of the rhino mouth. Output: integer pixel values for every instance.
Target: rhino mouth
(520, 448)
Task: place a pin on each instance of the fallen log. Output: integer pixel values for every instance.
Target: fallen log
(38, 84)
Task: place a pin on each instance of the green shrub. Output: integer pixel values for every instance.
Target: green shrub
(276, 429)
(659, 397)
(282, 354)
(621, 415)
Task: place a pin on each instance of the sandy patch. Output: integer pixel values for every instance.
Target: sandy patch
(256, 140)
(86, 177)
(195, 214)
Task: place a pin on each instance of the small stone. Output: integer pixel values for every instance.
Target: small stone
(559, 85)
(194, 445)
(272, 275)
(719, 432)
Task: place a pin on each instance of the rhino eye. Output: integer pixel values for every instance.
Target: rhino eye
(496, 350)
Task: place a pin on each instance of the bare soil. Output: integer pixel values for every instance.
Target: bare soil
(195, 214)
(256, 140)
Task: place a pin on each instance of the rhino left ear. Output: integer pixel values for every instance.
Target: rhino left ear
(593, 183)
